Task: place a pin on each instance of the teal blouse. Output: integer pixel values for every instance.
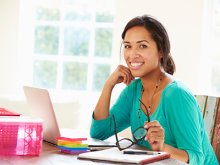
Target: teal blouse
(178, 113)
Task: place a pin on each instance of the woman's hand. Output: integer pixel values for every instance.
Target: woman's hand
(121, 74)
(155, 135)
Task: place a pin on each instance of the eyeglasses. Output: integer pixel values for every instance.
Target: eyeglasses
(125, 143)
(138, 134)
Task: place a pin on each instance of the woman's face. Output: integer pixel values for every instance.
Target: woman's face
(140, 52)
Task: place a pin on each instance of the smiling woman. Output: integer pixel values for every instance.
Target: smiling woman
(24, 52)
(172, 107)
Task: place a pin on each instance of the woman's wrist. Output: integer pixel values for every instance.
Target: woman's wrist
(108, 85)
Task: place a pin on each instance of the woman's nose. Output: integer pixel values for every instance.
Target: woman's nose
(134, 53)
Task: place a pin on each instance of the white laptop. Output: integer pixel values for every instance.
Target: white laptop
(41, 107)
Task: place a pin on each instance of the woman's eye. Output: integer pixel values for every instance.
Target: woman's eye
(143, 46)
(127, 46)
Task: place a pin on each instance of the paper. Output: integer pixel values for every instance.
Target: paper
(115, 155)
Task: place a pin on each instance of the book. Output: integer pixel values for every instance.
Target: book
(6, 112)
(128, 156)
(72, 145)
(96, 144)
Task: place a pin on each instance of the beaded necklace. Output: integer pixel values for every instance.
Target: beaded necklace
(148, 108)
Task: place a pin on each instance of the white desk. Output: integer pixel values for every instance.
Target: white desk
(50, 155)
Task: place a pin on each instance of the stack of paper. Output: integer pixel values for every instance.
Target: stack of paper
(72, 145)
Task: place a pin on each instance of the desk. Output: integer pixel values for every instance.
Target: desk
(50, 155)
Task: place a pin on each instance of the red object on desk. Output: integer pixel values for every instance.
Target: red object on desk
(6, 112)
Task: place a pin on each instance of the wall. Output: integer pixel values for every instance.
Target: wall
(9, 23)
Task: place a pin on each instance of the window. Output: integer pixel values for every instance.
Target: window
(210, 66)
(68, 43)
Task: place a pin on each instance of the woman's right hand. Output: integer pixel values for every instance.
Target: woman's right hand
(121, 74)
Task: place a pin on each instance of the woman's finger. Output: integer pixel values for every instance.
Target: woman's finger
(126, 74)
(151, 124)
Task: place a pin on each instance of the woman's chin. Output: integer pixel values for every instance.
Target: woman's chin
(135, 75)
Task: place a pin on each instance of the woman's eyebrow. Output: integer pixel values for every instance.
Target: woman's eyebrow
(127, 42)
(142, 41)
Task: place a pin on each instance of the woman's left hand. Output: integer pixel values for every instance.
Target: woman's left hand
(155, 135)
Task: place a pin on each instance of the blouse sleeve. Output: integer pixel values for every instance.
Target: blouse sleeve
(103, 129)
(185, 122)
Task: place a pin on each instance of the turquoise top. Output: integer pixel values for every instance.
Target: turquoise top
(178, 113)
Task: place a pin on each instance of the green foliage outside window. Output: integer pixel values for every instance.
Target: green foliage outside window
(48, 14)
(78, 32)
(100, 75)
(45, 73)
(46, 40)
(76, 41)
(77, 16)
(74, 75)
(103, 42)
(104, 17)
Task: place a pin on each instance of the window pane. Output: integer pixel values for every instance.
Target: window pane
(76, 41)
(45, 73)
(103, 42)
(47, 14)
(46, 40)
(75, 75)
(104, 14)
(100, 75)
(77, 15)
(104, 17)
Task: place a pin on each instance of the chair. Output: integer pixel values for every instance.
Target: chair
(210, 108)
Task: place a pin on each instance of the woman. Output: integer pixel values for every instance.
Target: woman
(175, 123)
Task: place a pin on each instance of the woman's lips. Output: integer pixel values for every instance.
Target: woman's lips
(135, 65)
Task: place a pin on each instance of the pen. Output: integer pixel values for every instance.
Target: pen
(141, 152)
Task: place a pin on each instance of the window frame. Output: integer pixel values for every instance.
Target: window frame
(26, 34)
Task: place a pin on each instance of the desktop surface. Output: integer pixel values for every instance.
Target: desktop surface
(51, 155)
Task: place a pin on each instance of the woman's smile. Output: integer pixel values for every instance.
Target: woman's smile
(136, 65)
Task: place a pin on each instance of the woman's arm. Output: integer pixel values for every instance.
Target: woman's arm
(176, 153)
(121, 74)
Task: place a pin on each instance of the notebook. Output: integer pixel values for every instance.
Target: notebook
(6, 112)
(41, 106)
(117, 156)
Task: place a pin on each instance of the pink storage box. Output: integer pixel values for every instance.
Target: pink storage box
(20, 136)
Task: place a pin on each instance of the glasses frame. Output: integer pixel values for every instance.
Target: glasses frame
(148, 115)
(132, 142)
(135, 139)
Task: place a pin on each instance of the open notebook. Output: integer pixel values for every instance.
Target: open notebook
(41, 106)
(115, 155)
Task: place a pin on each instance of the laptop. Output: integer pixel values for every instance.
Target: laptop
(41, 106)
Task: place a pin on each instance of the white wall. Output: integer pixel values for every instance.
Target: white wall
(182, 19)
(9, 23)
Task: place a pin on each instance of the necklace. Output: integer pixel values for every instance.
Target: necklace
(148, 108)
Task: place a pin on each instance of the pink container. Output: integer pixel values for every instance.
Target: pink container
(20, 136)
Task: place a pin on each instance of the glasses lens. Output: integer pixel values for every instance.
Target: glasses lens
(125, 143)
(139, 133)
